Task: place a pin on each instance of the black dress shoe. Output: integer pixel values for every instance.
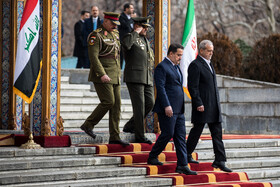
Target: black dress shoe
(185, 170)
(191, 160)
(88, 131)
(154, 161)
(123, 143)
(221, 165)
(144, 140)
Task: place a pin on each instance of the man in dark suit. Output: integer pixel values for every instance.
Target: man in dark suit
(170, 108)
(91, 24)
(202, 85)
(138, 75)
(126, 25)
(80, 48)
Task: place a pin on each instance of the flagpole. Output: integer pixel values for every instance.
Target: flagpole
(31, 144)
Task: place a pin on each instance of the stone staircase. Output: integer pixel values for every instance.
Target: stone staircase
(259, 158)
(78, 101)
(79, 166)
(74, 166)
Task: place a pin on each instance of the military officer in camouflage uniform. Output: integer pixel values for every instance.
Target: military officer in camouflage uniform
(104, 50)
(139, 58)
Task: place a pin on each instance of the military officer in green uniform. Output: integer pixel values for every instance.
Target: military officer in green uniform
(104, 50)
(139, 58)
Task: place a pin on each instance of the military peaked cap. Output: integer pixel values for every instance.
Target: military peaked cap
(114, 17)
(142, 20)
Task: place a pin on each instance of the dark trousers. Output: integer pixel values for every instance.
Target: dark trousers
(216, 134)
(142, 99)
(83, 62)
(172, 127)
(110, 100)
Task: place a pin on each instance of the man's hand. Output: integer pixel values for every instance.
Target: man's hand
(200, 108)
(105, 79)
(138, 29)
(133, 15)
(168, 111)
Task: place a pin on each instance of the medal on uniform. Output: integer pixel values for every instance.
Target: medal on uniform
(105, 33)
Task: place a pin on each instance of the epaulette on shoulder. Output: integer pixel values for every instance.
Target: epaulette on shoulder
(116, 31)
(98, 30)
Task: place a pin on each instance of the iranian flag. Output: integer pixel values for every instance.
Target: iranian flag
(189, 42)
(28, 59)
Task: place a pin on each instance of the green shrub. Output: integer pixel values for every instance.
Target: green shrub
(264, 60)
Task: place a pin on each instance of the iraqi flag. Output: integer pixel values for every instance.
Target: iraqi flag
(189, 42)
(28, 59)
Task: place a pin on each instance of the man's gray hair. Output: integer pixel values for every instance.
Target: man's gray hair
(203, 43)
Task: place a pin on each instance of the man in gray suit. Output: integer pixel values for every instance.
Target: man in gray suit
(139, 58)
(202, 85)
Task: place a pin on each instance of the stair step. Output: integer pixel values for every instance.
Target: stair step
(243, 153)
(75, 86)
(264, 173)
(90, 108)
(105, 182)
(15, 152)
(70, 174)
(88, 101)
(77, 93)
(41, 162)
(64, 79)
(84, 115)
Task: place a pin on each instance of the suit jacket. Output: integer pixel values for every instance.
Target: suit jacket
(80, 48)
(89, 25)
(169, 88)
(139, 59)
(202, 85)
(125, 26)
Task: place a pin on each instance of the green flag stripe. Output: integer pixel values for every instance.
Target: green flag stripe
(188, 23)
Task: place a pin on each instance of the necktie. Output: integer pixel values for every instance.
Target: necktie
(178, 71)
(94, 24)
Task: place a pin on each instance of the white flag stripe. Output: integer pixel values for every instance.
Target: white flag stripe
(189, 54)
(23, 55)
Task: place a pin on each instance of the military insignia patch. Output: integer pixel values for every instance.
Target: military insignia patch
(91, 40)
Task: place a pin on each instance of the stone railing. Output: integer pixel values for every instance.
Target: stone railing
(248, 107)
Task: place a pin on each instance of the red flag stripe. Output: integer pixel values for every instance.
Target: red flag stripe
(28, 9)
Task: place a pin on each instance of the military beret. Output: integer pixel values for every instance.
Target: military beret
(142, 20)
(114, 17)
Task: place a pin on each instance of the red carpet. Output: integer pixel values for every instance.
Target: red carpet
(136, 155)
(45, 141)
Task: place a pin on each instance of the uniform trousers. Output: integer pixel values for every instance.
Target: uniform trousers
(142, 99)
(216, 134)
(110, 100)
